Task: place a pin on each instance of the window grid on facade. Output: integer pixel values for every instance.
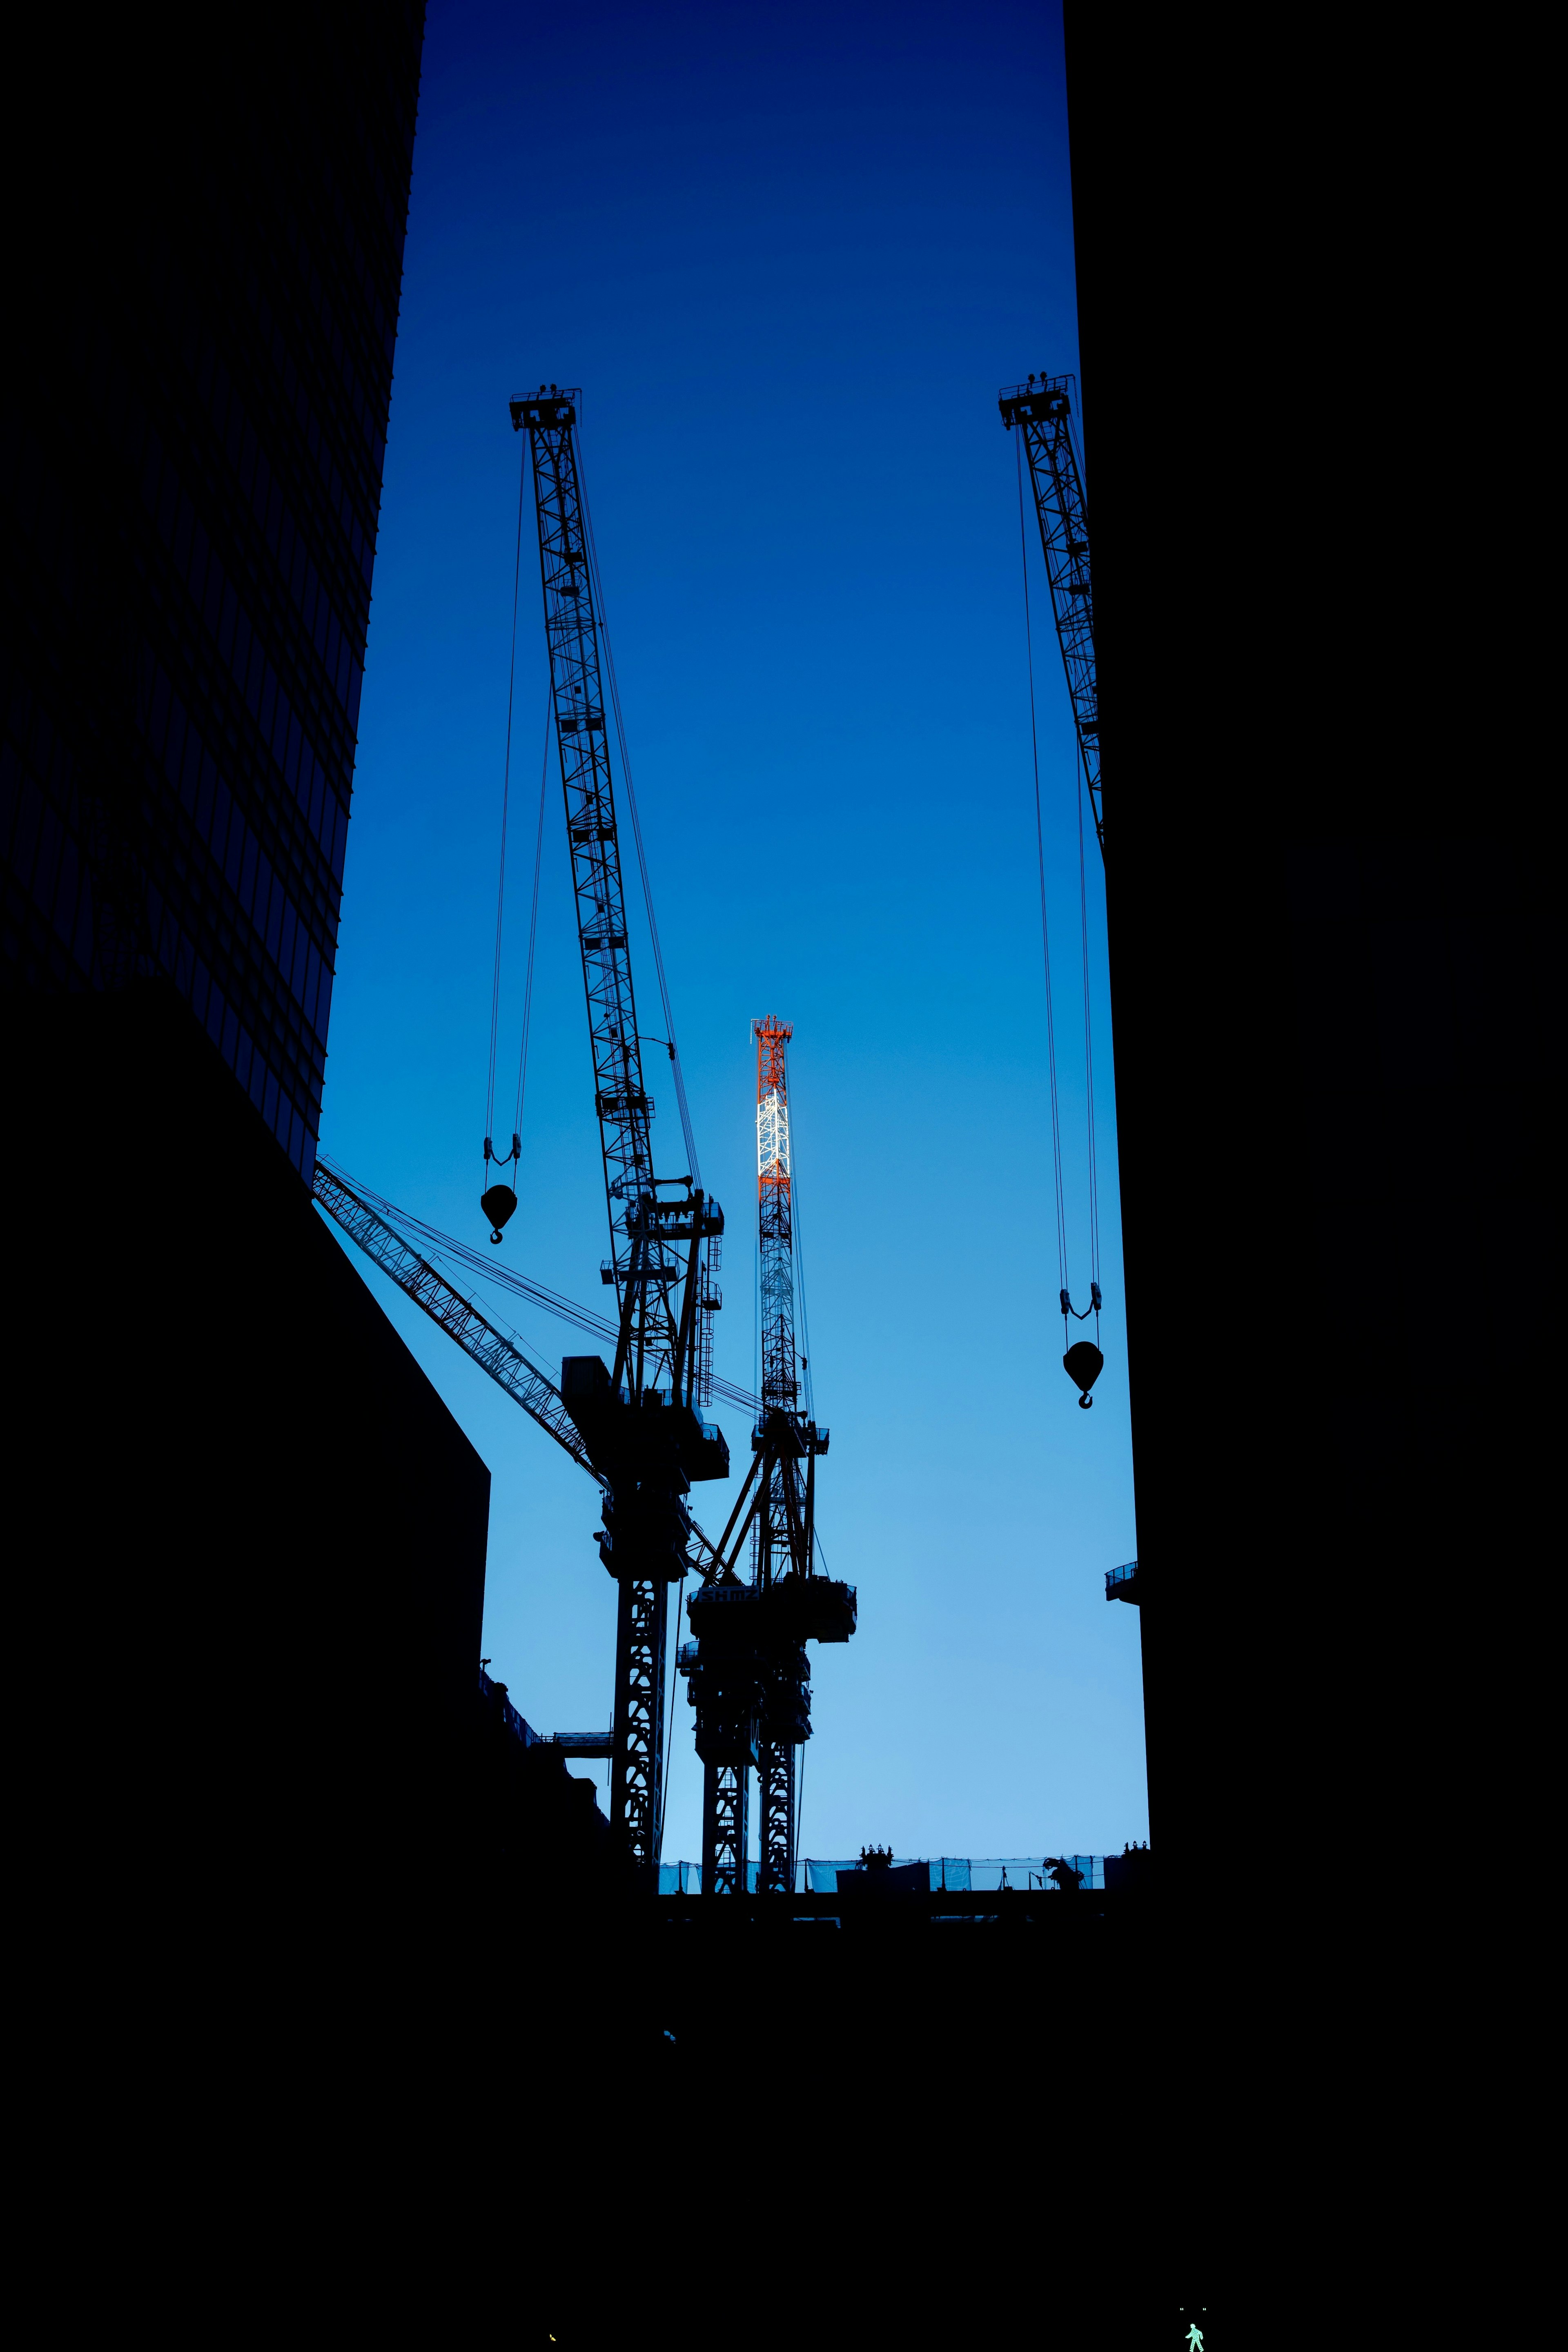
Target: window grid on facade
(194, 491)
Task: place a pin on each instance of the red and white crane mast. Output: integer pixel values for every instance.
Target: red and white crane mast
(747, 1675)
(783, 1521)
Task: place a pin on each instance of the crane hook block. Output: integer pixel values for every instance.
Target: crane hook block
(1083, 1364)
(498, 1204)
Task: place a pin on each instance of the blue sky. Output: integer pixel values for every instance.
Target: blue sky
(789, 254)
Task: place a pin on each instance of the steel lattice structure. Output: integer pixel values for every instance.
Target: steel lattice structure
(493, 1350)
(747, 1673)
(781, 1523)
(639, 1422)
(1042, 412)
(726, 1817)
(641, 1611)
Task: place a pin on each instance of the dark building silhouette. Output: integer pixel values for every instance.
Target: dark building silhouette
(193, 459)
(245, 1543)
(256, 1538)
(1327, 923)
(1298, 299)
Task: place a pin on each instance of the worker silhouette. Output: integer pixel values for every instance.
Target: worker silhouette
(1067, 1879)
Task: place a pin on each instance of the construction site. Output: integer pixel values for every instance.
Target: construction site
(354, 1442)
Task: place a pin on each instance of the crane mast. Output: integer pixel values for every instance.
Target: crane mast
(640, 1422)
(784, 1515)
(1042, 411)
(747, 1673)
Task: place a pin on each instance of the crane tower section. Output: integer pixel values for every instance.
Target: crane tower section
(775, 1225)
(1042, 412)
(572, 635)
(784, 1718)
(746, 1670)
(639, 1422)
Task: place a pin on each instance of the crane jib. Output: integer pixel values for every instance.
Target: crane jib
(571, 630)
(492, 1350)
(1042, 414)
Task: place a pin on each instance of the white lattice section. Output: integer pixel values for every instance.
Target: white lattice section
(773, 1135)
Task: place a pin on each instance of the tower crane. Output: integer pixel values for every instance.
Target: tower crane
(1042, 411)
(746, 1670)
(638, 1429)
(639, 1422)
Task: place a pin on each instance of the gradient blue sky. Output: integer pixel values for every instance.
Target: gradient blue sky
(790, 254)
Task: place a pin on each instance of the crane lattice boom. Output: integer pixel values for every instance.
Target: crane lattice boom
(492, 1350)
(640, 1421)
(1043, 415)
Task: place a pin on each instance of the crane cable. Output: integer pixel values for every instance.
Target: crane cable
(669, 1039)
(505, 805)
(439, 1246)
(532, 934)
(1045, 922)
(1089, 1069)
(1078, 1314)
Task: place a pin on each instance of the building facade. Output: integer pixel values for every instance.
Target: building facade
(192, 467)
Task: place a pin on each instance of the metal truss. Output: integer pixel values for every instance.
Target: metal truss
(774, 1218)
(660, 1353)
(572, 631)
(493, 1350)
(636, 1748)
(725, 1806)
(761, 1674)
(1042, 414)
(781, 1517)
(775, 1810)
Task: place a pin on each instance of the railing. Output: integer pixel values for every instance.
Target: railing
(496, 1694)
(1117, 1577)
(1020, 1873)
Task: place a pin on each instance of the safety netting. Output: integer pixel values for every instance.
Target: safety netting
(1023, 1874)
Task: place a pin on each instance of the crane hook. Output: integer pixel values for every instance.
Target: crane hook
(1083, 1364)
(498, 1203)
